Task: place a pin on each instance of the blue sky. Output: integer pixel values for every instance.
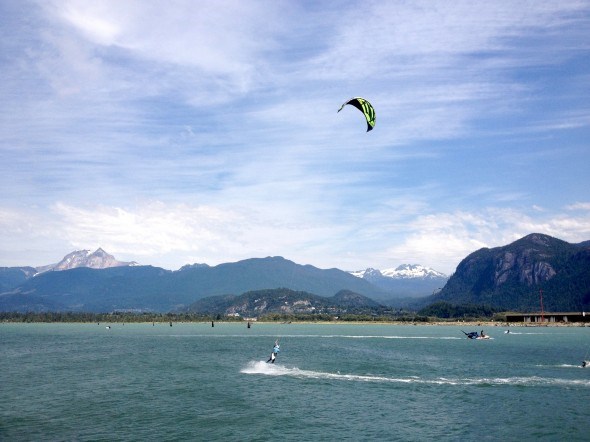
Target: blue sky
(175, 132)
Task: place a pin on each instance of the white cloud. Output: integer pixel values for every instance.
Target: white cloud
(579, 206)
(171, 235)
(223, 41)
(91, 22)
(443, 239)
(146, 230)
(158, 232)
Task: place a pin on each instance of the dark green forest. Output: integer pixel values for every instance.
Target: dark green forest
(441, 312)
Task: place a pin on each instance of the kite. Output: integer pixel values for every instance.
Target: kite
(365, 107)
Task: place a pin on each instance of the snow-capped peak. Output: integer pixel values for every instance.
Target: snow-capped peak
(412, 271)
(98, 259)
(404, 271)
(366, 273)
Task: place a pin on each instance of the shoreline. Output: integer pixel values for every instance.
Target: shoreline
(493, 324)
(437, 323)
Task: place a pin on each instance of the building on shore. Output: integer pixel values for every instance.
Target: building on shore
(537, 317)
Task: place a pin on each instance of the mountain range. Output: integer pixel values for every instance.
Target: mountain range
(147, 288)
(510, 277)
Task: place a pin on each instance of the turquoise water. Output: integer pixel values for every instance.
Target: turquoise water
(330, 382)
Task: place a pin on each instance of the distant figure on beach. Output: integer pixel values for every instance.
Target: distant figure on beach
(275, 351)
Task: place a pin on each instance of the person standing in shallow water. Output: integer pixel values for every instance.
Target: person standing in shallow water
(274, 352)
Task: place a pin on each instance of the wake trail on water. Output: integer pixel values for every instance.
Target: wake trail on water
(251, 335)
(262, 368)
(561, 365)
(394, 337)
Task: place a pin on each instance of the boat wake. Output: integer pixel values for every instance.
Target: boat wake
(262, 368)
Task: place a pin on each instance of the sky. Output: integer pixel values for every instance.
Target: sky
(180, 132)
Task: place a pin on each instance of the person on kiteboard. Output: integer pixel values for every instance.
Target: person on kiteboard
(275, 351)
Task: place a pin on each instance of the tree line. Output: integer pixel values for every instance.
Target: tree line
(435, 312)
(104, 317)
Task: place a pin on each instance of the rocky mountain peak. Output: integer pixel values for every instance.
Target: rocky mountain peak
(511, 276)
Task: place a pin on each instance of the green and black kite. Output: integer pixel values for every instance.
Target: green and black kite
(365, 107)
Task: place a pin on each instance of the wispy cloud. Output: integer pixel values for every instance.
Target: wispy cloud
(579, 206)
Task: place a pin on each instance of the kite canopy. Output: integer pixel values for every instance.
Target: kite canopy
(365, 107)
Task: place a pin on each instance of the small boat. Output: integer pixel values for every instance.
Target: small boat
(585, 364)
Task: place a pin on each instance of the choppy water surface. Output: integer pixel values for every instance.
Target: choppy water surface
(330, 382)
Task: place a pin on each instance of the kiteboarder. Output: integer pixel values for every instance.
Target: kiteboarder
(275, 351)
(471, 335)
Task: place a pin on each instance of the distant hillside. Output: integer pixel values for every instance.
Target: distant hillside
(283, 301)
(511, 277)
(11, 277)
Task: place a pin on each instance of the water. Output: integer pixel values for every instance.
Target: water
(330, 382)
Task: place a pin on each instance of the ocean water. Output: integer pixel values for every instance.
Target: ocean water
(84, 382)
